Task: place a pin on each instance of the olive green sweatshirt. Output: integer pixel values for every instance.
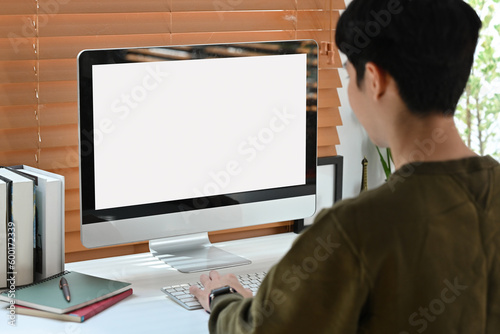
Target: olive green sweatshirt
(420, 254)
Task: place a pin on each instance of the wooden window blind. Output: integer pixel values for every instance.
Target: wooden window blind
(39, 42)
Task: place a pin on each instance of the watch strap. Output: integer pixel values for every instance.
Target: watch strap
(219, 292)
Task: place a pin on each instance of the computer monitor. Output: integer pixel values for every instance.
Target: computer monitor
(178, 141)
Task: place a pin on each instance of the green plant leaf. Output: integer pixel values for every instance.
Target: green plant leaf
(385, 165)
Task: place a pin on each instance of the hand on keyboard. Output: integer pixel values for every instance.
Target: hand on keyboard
(181, 294)
(213, 281)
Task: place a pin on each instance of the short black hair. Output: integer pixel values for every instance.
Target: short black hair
(427, 46)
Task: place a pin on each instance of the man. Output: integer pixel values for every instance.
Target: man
(422, 252)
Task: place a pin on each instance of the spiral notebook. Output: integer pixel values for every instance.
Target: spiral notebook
(46, 294)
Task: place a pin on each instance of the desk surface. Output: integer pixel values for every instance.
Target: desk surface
(148, 310)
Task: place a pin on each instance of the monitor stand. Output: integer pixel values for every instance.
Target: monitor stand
(193, 253)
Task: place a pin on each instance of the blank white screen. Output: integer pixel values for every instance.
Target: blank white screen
(183, 129)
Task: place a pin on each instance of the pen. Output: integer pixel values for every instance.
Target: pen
(63, 284)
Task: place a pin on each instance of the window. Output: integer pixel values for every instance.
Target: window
(39, 42)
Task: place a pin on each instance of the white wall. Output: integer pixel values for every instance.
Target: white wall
(354, 146)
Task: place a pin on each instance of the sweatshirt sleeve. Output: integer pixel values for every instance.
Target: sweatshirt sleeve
(320, 286)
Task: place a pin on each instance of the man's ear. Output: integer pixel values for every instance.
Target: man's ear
(375, 80)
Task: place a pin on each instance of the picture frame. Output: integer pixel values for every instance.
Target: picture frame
(329, 186)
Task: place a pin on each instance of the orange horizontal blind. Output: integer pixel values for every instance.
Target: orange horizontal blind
(40, 40)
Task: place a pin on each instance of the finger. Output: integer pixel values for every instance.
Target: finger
(204, 279)
(231, 279)
(201, 295)
(214, 275)
(194, 290)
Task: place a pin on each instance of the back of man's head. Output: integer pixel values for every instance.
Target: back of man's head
(427, 46)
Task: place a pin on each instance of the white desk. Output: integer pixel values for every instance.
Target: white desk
(148, 310)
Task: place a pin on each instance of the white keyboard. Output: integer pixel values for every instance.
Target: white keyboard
(180, 293)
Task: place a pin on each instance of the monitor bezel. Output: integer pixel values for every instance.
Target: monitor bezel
(125, 215)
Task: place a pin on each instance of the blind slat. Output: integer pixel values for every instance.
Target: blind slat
(71, 177)
(66, 47)
(17, 48)
(57, 69)
(315, 20)
(321, 4)
(17, 26)
(18, 94)
(116, 6)
(18, 139)
(10, 158)
(51, 7)
(329, 78)
(72, 199)
(58, 158)
(231, 36)
(72, 221)
(104, 24)
(328, 98)
(58, 92)
(15, 71)
(327, 136)
(12, 117)
(329, 117)
(232, 5)
(58, 113)
(183, 22)
(17, 7)
(327, 151)
(57, 136)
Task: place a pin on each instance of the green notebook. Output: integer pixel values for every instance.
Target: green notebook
(84, 289)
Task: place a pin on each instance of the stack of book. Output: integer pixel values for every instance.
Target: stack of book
(85, 296)
(31, 225)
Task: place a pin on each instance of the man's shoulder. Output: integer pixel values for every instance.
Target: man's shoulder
(380, 199)
(376, 211)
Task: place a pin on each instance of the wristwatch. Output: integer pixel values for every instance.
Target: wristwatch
(219, 292)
